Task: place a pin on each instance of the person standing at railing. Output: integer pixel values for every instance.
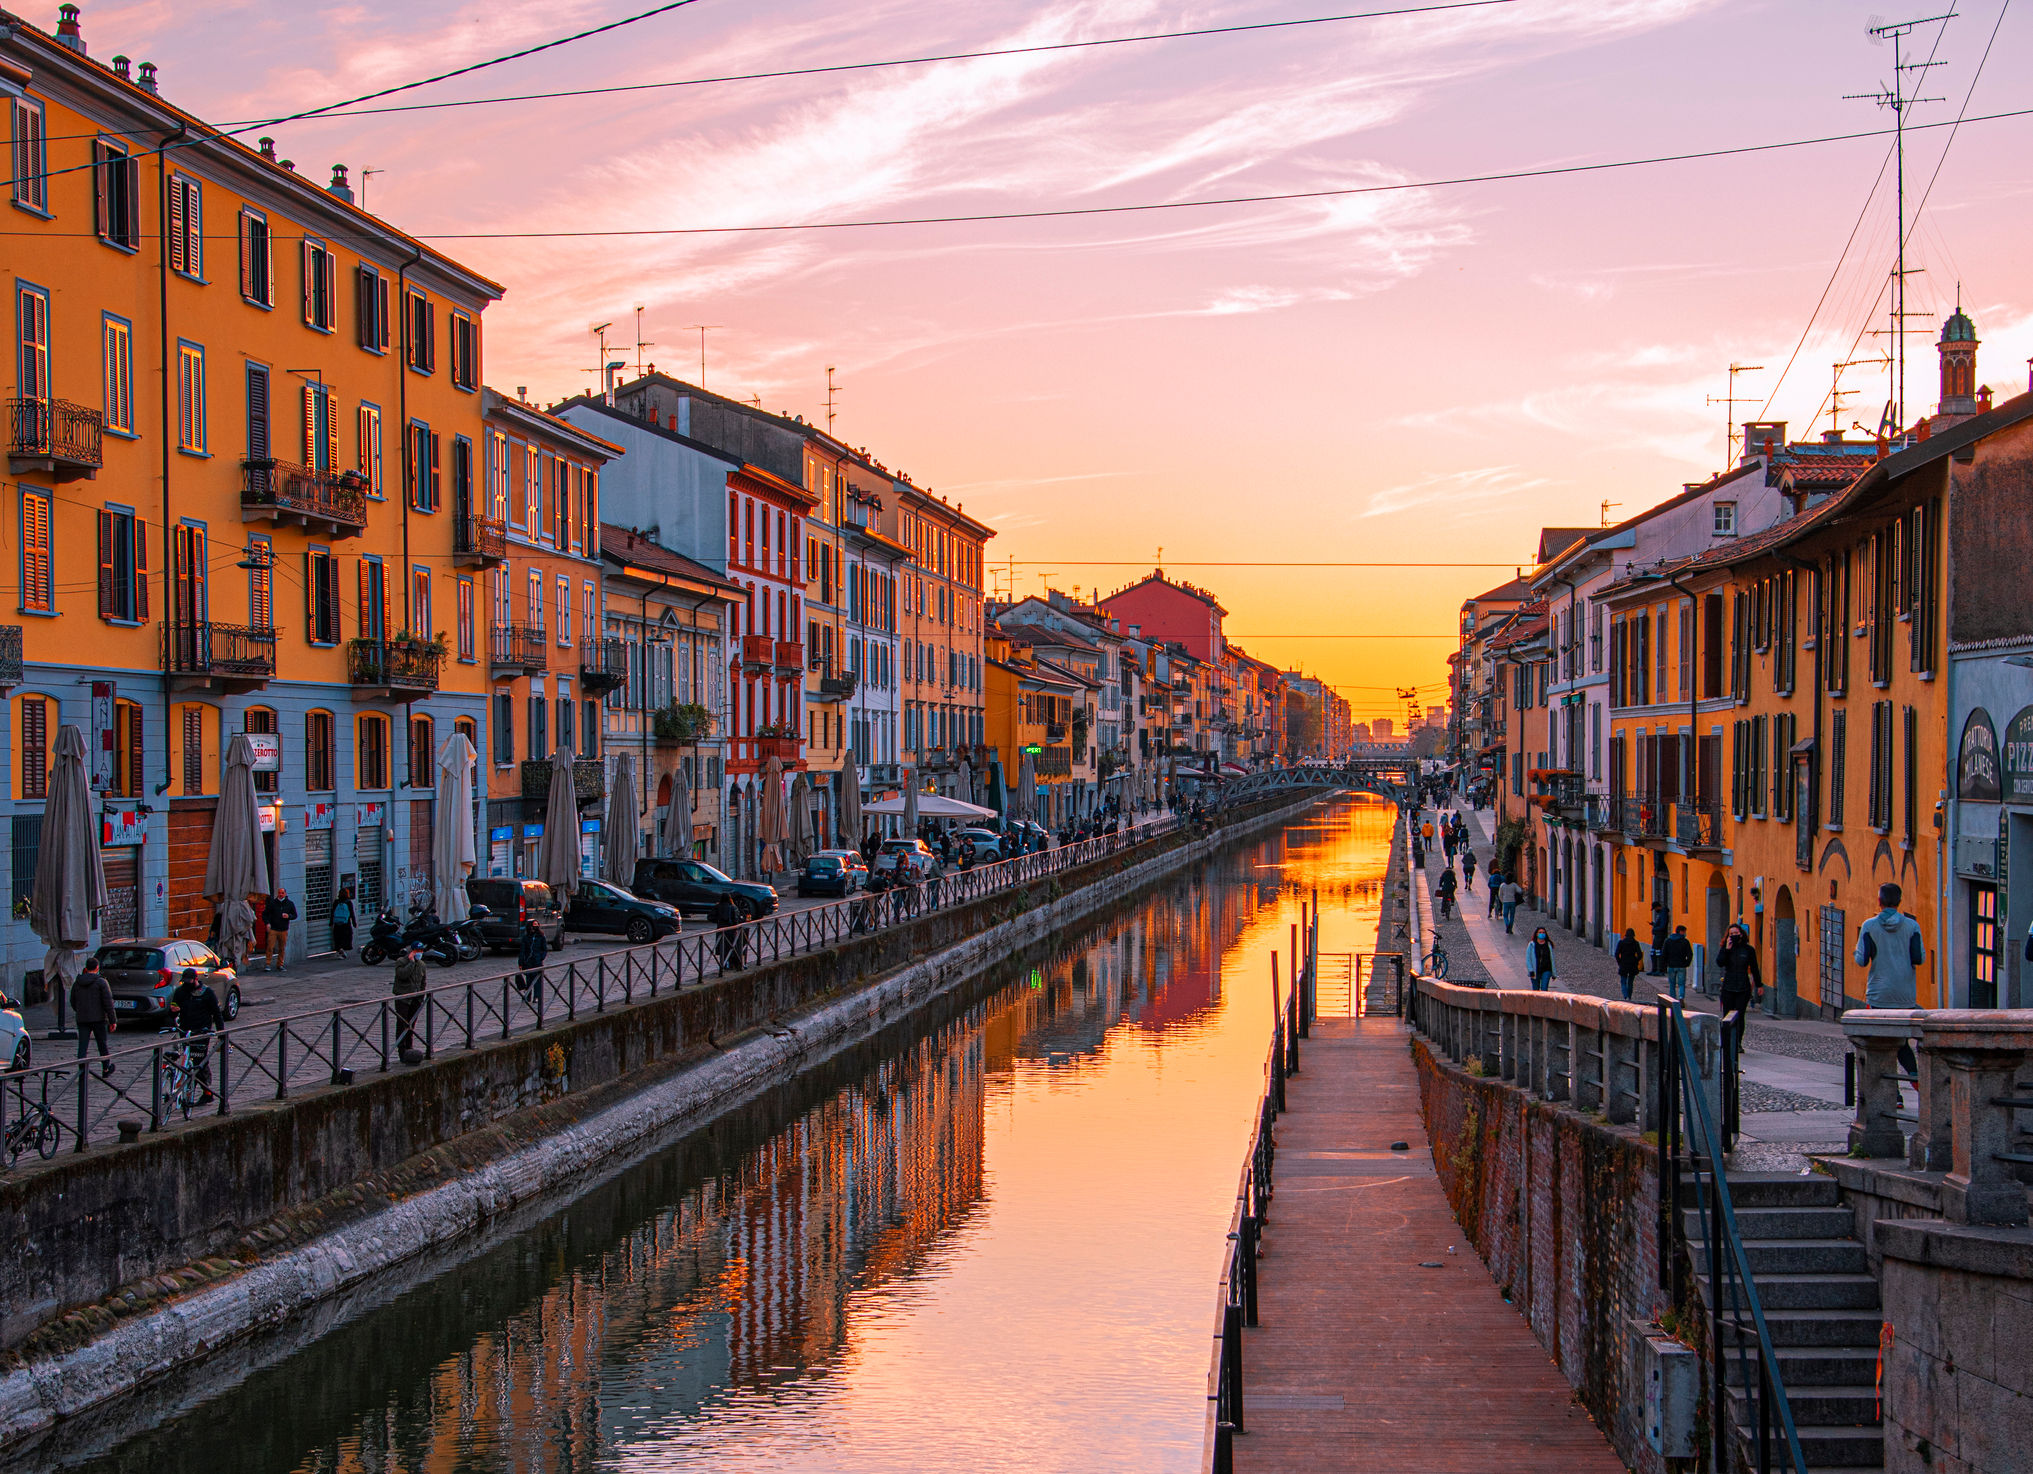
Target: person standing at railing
(1630, 958)
(726, 918)
(92, 1012)
(197, 1012)
(1743, 981)
(1539, 960)
(408, 989)
(1889, 945)
(530, 950)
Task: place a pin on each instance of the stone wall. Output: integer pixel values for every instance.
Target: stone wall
(1563, 1208)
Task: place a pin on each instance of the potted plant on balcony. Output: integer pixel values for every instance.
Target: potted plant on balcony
(686, 723)
(779, 740)
(410, 643)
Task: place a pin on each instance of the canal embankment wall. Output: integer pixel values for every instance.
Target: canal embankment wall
(135, 1259)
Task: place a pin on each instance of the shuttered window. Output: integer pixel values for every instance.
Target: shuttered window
(320, 285)
(117, 353)
(193, 718)
(421, 453)
(186, 226)
(38, 587)
(190, 390)
(320, 429)
(370, 291)
(31, 318)
(319, 765)
(123, 565)
(116, 195)
(321, 592)
(1838, 764)
(373, 601)
(465, 336)
(34, 747)
(422, 318)
(465, 619)
(31, 163)
(261, 583)
(370, 450)
(257, 262)
(261, 719)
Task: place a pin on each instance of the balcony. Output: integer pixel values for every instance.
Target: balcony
(217, 657)
(1601, 816)
(589, 781)
(517, 649)
(1697, 823)
(326, 502)
(1054, 762)
(680, 726)
(1643, 816)
(758, 652)
(840, 687)
(604, 667)
(393, 671)
(10, 656)
(479, 542)
(785, 749)
(63, 441)
(790, 657)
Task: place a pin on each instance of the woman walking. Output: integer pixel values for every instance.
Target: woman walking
(343, 917)
(1630, 960)
(1539, 961)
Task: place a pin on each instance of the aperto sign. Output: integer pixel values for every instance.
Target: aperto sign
(1033, 748)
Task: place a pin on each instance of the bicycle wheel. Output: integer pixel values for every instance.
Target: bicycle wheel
(48, 1136)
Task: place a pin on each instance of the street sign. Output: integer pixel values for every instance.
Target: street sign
(267, 751)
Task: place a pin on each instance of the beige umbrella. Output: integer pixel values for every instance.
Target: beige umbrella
(557, 851)
(769, 815)
(850, 807)
(617, 835)
(1024, 800)
(70, 876)
(237, 865)
(801, 836)
(453, 851)
(966, 784)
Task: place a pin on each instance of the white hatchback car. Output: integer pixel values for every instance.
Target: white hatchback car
(911, 858)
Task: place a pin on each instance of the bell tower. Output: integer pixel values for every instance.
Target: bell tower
(1958, 349)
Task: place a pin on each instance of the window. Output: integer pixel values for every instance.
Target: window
(421, 741)
(31, 164)
(1838, 756)
(186, 227)
(123, 565)
(422, 323)
(420, 467)
(320, 277)
(373, 601)
(35, 746)
(320, 764)
(190, 398)
(370, 308)
(116, 195)
(261, 719)
(592, 606)
(118, 353)
(258, 447)
(564, 720)
(261, 584)
(1909, 772)
(192, 721)
(129, 767)
(321, 429)
(257, 261)
(370, 751)
(539, 725)
(422, 618)
(589, 729)
(321, 591)
(370, 450)
(38, 586)
(465, 619)
(465, 350)
(462, 476)
(497, 478)
(536, 602)
(564, 612)
(1725, 519)
(31, 322)
(1881, 766)
(503, 729)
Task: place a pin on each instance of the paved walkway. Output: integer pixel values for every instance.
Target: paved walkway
(1384, 1345)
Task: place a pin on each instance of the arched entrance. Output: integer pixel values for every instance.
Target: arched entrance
(1718, 923)
(1785, 956)
(1567, 883)
(1595, 894)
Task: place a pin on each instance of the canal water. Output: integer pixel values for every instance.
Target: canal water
(990, 1243)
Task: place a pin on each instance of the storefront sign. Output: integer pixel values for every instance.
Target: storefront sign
(2019, 758)
(271, 819)
(123, 826)
(589, 826)
(1976, 766)
(267, 751)
(102, 755)
(368, 816)
(319, 816)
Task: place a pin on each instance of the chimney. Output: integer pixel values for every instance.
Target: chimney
(339, 188)
(1984, 400)
(147, 80)
(267, 149)
(67, 32)
(289, 164)
(120, 69)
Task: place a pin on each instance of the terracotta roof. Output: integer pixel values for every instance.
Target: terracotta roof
(1044, 634)
(1835, 471)
(625, 545)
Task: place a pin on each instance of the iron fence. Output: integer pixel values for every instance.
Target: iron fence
(140, 1088)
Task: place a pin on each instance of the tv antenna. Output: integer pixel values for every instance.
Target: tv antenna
(1606, 505)
(832, 390)
(640, 342)
(1729, 403)
(1895, 97)
(703, 328)
(1836, 393)
(365, 175)
(606, 367)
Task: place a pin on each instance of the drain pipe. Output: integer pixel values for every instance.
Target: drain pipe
(163, 357)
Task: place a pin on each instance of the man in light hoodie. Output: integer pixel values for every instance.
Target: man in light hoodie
(1889, 945)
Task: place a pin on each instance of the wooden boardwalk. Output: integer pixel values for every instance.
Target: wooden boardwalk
(1366, 1359)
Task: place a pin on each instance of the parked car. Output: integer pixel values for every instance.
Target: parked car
(833, 873)
(986, 844)
(509, 904)
(694, 887)
(144, 971)
(911, 858)
(14, 1045)
(599, 906)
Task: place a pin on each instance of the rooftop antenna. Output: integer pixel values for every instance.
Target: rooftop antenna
(703, 328)
(831, 390)
(604, 368)
(640, 342)
(1607, 504)
(1729, 403)
(365, 175)
(1895, 98)
(1837, 393)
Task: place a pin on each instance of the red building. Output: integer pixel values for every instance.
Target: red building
(1171, 613)
(765, 532)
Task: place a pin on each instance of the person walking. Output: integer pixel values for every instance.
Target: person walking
(197, 1012)
(726, 917)
(1513, 895)
(531, 948)
(92, 1012)
(1467, 869)
(1539, 960)
(1743, 982)
(1446, 890)
(1889, 945)
(278, 914)
(1630, 960)
(1678, 955)
(1494, 884)
(1662, 921)
(343, 919)
(408, 989)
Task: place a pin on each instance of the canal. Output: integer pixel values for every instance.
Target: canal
(988, 1243)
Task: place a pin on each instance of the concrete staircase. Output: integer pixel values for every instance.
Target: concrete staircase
(1821, 1308)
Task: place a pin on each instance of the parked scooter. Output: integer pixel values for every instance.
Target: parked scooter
(384, 939)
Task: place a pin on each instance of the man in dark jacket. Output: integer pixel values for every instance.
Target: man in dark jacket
(1662, 922)
(408, 988)
(198, 1013)
(531, 948)
(1743, 982)
(1630, 959)
(276, 916)
(1678, 956)
(729, 942)
(92, 1009)
(1446, 889)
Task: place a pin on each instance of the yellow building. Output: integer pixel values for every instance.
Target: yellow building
(241, 417)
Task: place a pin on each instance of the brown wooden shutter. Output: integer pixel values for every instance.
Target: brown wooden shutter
(331, 597)
(141, 569)
(310, 407)
(179, 259)
(329, 265)
(366, 605)
(331, 433)
(106, 603)
(35, 748)
(136, 769)
(246, 256)
(437, 452)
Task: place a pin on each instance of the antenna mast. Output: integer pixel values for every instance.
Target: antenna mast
(640, 344)
(1729, 403)
(831, 390)
(702, 328)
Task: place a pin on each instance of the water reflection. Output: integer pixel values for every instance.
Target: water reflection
(989, 1246)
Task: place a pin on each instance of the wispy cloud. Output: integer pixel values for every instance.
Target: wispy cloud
(1457, 490)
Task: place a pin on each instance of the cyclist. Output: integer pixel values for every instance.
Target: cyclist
(198, 1013)
(1446, 888)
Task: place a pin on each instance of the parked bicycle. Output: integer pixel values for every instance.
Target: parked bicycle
(34, 1127)
(1434, 963)
(183, 1087)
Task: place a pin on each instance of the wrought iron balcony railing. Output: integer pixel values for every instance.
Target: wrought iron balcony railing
(282, 492)
(604, 666)
(589, 780)
(56, 436)
(229, 651)
(479, 541)
(11, 673)
(518, 647)
(394, 666)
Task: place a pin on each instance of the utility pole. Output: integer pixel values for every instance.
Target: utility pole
(1729, 403)
(640, 343)
(702, 328)
(832, 389)
(1895, 98)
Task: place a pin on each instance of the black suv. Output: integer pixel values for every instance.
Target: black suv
(694, 887)
(601, 907)
(512, 902)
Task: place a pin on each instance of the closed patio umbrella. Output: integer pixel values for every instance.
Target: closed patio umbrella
(910, 803)
(1024, 800)
(997, 797)
(557, 852)
(850, 807)
(769, 815)
(237, 866)
(966, 784)
(453, 851)
(70, 878)
(617, 835)
(801, 836)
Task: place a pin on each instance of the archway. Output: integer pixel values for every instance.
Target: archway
(1566, 883)
(1718, 923)
(1595, 894)
(1785, 956)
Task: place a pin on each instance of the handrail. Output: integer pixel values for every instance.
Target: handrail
(1729, 1273)
(327, 1046)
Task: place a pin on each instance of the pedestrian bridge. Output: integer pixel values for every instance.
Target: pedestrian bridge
(1385, 778)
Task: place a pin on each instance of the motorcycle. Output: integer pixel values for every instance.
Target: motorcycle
(384, 939)
(471, 942)
(442, 941)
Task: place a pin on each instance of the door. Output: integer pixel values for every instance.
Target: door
(318, 892)
(594, 908)
(188, 596)
(1834, 931)
(1718, 923)
(367, 893)
(1983, 945)
(121, 918)
(1785, 994)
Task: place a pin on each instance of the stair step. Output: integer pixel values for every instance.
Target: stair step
(1816, 1327)
(1814, 1366)
(1842, 1407)
(1773, 1190)
(1824, 1448)
(1781, 1223)
(1810, 1293)
(1794, 1256)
